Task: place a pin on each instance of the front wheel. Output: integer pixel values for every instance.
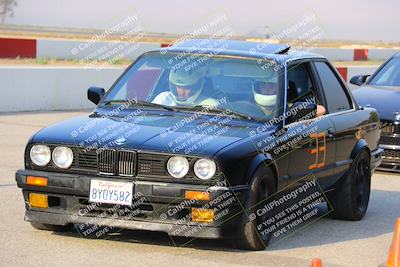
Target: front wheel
(350, 202)
(261, 187)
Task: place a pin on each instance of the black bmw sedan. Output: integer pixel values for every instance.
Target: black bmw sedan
(207, 139)
(381, 90)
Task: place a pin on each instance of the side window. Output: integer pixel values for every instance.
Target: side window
(336, 98)
(300, 85)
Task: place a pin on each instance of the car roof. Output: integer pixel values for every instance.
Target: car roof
(397, 54)
(277, 52)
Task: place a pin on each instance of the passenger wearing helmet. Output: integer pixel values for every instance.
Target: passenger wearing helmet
(265, 95)
(185, 88)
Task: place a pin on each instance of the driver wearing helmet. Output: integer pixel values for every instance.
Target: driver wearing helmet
(185, 89)
(265, 95)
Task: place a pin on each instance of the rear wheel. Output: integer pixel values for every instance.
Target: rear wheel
(51, 227)
(261, 187)
(350, 202)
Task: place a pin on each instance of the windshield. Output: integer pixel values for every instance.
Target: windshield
(389, 75)
(191, 81)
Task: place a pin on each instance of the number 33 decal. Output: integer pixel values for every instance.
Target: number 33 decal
(318, 149)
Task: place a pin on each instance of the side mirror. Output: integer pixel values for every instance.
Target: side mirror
(359, 79)
(95, 94)
(301, 111)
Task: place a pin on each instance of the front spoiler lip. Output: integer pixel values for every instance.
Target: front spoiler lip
(65, 219)
(389, 166)
(386, 169)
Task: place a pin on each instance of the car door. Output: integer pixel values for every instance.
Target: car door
(342, 113)
(312, 151)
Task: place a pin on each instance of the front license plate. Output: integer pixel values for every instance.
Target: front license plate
(111, 192)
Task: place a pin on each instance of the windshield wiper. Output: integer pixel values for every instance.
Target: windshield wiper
(151, 104)
(138, 103)
(207, 109)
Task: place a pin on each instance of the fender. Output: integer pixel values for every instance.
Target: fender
(361, 144)
(26, 147)
(266, 161)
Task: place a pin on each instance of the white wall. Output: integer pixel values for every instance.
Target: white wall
(65, 88)
(381, 54)
(347, 54)
(51, 88)
(335, 54)
(360, 70)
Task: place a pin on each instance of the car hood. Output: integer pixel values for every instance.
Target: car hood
(180, 133)
(385, 99)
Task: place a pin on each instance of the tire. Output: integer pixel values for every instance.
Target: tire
(350, 202)
(51, 227)
(248, 238)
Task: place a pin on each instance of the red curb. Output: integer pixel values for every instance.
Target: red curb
(343, 72)
(360, 54)
(165, 45)
(12, 48)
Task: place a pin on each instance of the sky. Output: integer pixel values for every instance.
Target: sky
(339, 19)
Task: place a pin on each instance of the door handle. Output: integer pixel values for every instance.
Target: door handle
(331, 133)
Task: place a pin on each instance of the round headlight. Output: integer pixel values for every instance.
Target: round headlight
(178, 166)
(63, 157)
(40, 155)
(204, 168)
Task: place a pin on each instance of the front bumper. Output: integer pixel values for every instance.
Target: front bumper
(376, 158)
(162, 206)
(390, 158)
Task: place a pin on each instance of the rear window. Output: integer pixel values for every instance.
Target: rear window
(336, 97)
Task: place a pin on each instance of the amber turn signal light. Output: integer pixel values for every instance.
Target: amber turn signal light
(197, 195)
(202, 215)
(34, 180)
(38, 200)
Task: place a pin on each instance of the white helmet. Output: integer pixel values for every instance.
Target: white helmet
(192, 79)
(265, 93)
